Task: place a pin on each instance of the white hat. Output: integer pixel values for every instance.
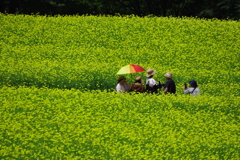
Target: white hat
(139, 78)
(168, 75)
(150, 72)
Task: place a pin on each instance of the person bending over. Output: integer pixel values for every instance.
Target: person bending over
(138, 86)
(193, 89)
(122, 85)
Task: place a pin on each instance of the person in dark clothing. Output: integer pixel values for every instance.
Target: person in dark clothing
(169, 86)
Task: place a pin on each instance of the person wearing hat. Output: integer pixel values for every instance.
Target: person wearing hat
(122, 85)
(138, 86)
(193, 90)
(169, 86)
(151, 85)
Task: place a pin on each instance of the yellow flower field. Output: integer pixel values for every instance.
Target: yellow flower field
(69, 124)
(58, 78)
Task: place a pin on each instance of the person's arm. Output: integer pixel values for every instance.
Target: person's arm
(165, 90)
(118, 88)
(185, 89)
(166, 87)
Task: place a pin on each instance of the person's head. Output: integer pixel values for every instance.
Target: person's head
(193, 84)
(168, 75)
(121, 79)
(150, 73)
(138, 80)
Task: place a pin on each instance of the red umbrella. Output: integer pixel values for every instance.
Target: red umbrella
(131, 68)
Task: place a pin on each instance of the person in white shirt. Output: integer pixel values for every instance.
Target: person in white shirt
(151, 85)
(122, 85)
(193, 90)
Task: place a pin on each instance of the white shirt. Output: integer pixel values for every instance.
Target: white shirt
(122, 88)
(151, 82)
(195, 92)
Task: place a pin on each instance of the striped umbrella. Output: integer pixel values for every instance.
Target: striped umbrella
(131, 68)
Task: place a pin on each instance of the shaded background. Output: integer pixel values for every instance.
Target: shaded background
(221, 9)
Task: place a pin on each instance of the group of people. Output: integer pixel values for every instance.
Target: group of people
(152, 86)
